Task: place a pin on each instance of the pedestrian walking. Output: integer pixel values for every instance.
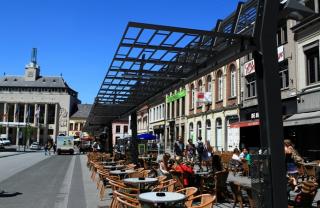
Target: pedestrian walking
(46, 149)
(200, 150)
(54, 146)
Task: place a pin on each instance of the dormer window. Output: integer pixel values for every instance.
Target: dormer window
(44, 80)
(54, 80)
(5, 79)
(15, 79)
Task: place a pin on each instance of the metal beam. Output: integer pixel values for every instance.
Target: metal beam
(154, 61)
(270, 105)
(159, 73)
(166, 48)
(183, 30)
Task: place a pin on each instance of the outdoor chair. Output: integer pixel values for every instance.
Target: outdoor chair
(188, 192)
(123, 196)
(103, 174)
(170, 186)
(123, 203)
(220, 180)
(206, 201)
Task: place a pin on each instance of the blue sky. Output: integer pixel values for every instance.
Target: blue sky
(78, 38)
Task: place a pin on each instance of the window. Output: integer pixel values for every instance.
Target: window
(282, 36)
(199, 129)
(71, 126)
(118, 129)
(192, 96)
(191, 131)
(218, 134)
(312, 62)
(251, 86)
(233, 81)
(178, 108)
(81, 126)
(200, 89)
(76, 125)
(284, 75)
(182, 106)
(50, 131)
(172, 109)
(220, 86)
(209, 84)
(208, 129)
(168, 110)
(125, 129)
(313, 4)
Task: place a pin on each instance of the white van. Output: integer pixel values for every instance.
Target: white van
(4, 140)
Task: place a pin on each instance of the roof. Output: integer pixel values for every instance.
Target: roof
(19, 81)
(83, 111)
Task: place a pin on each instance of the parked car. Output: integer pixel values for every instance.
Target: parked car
(35, 146)
(5, 141)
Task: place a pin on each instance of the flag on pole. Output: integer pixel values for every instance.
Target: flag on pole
(37, 113)
(28, 114)
(16, 113)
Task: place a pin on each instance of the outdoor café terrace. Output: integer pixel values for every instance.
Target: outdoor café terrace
(150, 60)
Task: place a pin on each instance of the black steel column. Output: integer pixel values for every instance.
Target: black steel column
(269, 99)
(134, 138)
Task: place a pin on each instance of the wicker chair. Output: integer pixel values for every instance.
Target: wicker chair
(206, 201)
(188, 192)
(123, 203)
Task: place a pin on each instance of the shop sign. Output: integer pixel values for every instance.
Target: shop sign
(233, 138)
(254, 115)
(204, 97)
(249, 67)
(176, 96)
(280, 53)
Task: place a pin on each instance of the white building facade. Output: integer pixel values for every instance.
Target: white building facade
(42, 103)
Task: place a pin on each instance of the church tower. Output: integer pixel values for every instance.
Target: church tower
(32, 70)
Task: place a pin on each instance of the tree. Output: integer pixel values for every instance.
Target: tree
(27, 132)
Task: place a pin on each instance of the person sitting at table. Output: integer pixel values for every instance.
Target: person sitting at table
(164, 166)
(292, 158)
(235, 164)
(243, 154)
(185, 171)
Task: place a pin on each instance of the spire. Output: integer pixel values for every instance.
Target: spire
(34, 56)
(32, 70)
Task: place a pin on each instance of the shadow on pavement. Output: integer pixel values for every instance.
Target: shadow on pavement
(7, 194)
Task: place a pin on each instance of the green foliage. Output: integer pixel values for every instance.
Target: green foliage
(28, 131)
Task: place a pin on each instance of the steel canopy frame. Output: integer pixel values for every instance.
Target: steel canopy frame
(150, 58)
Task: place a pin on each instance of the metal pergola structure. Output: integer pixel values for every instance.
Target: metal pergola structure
(151, 58)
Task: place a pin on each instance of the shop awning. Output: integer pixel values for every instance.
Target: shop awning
(245, 124)
(303, 119)
(147, 137)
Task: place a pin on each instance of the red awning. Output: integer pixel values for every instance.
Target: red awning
(245, 124)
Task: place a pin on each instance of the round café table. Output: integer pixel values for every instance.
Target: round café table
(121, 173)
(116, 167)
(150, 199)
(108, 163)
(140, 181)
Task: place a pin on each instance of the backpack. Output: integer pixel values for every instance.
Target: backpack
(200, 147)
